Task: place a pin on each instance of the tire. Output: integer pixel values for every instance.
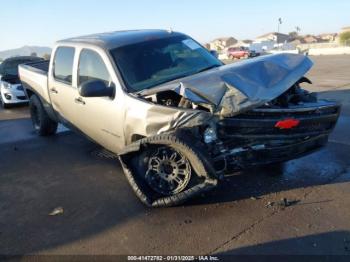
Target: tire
(42, 123)
(147, 183)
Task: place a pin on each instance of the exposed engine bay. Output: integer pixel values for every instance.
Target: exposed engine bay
(293, 96)
(173, 99)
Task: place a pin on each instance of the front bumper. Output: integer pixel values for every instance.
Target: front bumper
(253, 139)
(13, 95)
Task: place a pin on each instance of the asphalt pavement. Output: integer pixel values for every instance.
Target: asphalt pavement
(303, 208)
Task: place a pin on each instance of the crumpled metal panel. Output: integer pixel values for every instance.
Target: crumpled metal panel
(244, 85)
(226, 91)
(147, 119)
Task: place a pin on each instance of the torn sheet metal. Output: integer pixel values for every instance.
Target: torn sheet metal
(149, 119)
(241, 86)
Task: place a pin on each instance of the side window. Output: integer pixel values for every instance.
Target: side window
(63, 64)
(92, 67)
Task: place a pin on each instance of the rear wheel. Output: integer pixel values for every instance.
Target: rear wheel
(42, 123)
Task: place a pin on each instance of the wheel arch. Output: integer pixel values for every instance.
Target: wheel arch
(47, 106)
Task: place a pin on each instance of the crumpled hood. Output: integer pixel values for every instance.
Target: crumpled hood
(232, 89)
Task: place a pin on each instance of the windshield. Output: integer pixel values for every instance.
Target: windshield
(147, 64)
(11, 67)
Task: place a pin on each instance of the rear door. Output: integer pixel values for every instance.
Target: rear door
(61, 89)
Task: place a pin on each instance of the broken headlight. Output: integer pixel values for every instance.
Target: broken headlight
(209, 135)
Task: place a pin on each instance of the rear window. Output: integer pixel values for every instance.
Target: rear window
(63, 64)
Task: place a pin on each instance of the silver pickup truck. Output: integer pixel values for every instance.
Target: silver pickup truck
(177, 118)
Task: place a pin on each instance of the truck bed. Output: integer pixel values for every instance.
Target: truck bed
(42, 66)
(34, 78)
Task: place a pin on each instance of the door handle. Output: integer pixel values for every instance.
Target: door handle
(79, 100)
(53, 90)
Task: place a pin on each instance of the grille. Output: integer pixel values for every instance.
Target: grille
(22, 97)
(262, 123)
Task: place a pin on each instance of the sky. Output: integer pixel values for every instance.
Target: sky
(42, 22)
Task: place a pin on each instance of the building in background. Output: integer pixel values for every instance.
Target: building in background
(273, 36)
(221, 43)
(327, 37)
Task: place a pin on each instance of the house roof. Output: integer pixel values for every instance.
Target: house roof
(328, 34)
(296, 42)
(272, 33)
(309, 39)
(224, 39)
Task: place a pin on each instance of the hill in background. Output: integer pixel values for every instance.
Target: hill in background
(25, 50)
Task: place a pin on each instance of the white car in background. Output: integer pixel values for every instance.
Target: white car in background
(11, 90)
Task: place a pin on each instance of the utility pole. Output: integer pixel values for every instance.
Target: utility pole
(278, 25)
(278, 28)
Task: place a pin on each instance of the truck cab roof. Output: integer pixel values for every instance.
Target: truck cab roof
(111, 40)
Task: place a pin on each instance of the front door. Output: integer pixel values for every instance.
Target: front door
(100, 118)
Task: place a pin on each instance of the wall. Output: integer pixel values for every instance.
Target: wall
(295, 51)
(330, 51)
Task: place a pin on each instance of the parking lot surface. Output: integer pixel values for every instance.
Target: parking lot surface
(303, 208)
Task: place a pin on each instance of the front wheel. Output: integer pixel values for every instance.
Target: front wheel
(168, 170)
(3, 104)
(42, 123)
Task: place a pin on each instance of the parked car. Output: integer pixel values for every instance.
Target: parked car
(176, 117)
(240, 52)
(11, 90)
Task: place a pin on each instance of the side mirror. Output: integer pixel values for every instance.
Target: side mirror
(96, 88)
(214, 53)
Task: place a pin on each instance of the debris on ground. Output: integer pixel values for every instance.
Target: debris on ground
(188, 221)
(56, 211)
(284, 202)
(269, 204)
(254, 198)
(317, 209)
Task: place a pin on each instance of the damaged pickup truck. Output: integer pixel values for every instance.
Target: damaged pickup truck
(177, 118)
